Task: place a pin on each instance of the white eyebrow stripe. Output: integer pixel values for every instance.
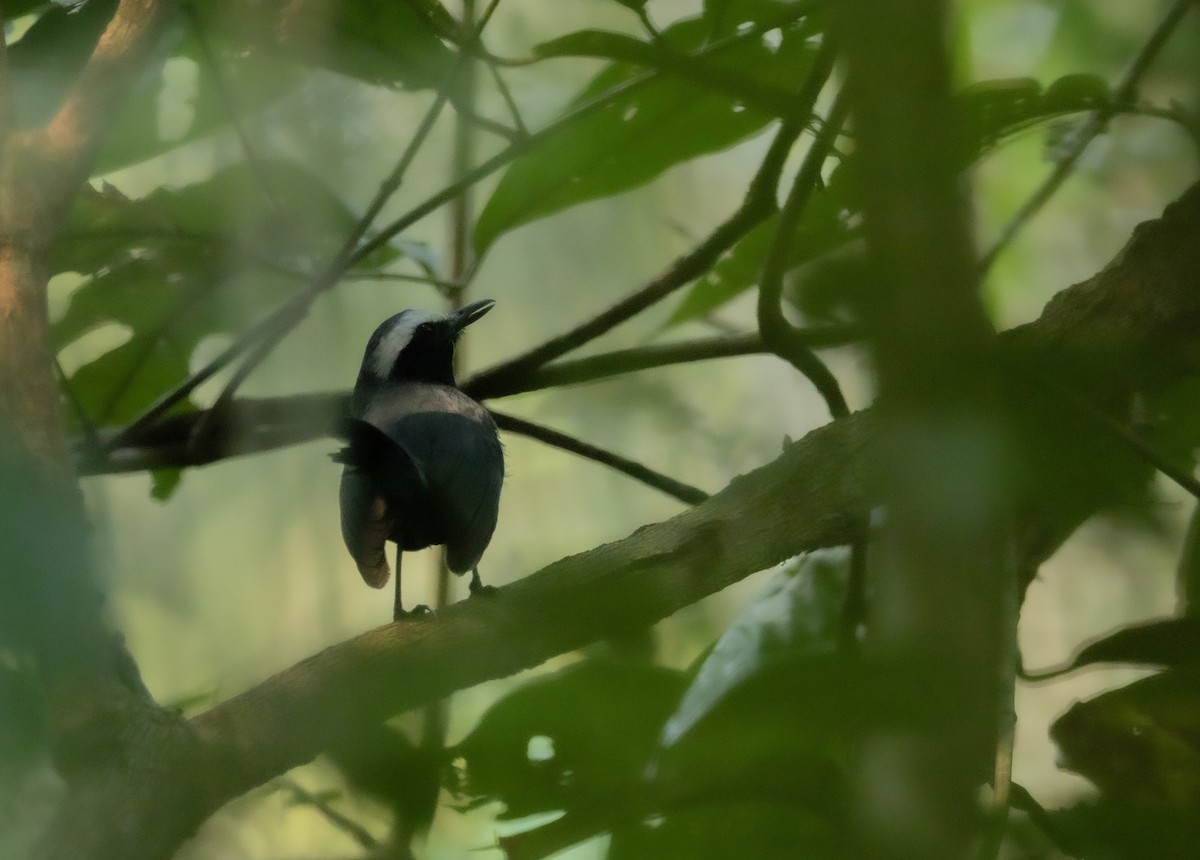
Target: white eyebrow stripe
(393, 342)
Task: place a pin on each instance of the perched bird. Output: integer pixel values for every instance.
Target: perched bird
(424, 464)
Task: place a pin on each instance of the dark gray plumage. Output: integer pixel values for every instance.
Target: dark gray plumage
(424, 464)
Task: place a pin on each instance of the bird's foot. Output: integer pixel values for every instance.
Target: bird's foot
(417, 613)
(477, 588)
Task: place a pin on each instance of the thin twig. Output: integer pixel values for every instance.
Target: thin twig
(506, 94)
(440, 284)
(486, 17)
(342, 822)
(499, 129)
(776, 331)
(676, 489)
(1125, 92)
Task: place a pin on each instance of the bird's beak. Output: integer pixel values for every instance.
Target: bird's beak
(467, 314)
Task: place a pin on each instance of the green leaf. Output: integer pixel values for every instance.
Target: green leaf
(381, 763)
(997, 109)
(1139, 744)
(639, 135)
(797, 613)
(570, 739)
(1171, 642)
(164, 482)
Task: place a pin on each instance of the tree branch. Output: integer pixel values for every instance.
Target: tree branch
(63, 152)
(255, 425)
(676, 489)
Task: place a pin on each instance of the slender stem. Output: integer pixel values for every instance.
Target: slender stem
(1125, 92)
(342, 822)
(509, 101)
(776, 331)
(490, 125)
(676, 489)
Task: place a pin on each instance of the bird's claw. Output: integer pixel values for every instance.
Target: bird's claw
(482, 590)
(417, 613)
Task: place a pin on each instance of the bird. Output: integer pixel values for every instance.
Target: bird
(423, 465)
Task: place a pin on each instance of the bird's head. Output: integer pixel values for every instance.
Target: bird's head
(417, 346)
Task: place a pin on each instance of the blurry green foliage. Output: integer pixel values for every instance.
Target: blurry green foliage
(173, 268)
(669, 119)
(1140, 746)
(744, 756)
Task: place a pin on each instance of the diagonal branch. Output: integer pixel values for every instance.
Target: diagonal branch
(676, 489)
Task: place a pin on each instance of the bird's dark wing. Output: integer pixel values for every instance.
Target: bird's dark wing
(376, 469)
(453, 441)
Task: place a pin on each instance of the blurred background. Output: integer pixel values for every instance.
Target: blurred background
(242, 571)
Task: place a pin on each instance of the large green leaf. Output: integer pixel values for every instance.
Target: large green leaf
(570, 739)
(797, 613)
(637, 136)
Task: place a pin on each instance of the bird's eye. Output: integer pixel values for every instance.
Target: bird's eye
(424, 328)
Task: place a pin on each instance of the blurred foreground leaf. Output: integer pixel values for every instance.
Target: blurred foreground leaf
(183, 264)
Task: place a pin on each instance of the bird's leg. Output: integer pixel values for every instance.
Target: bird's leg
(399, 613)
(477, 587)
